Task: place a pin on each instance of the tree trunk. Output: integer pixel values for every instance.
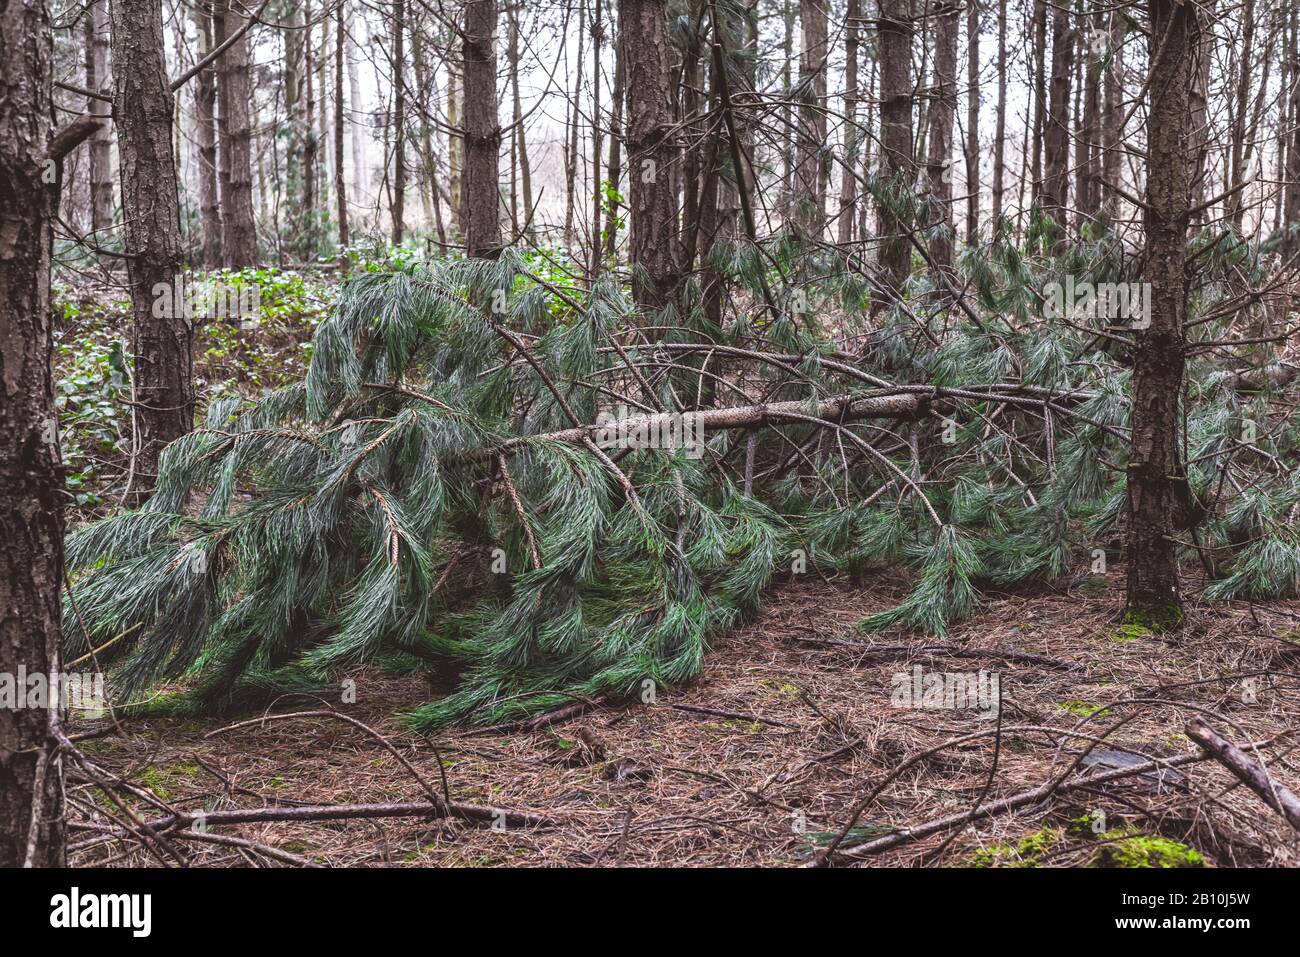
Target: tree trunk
(239, 231)
(597, 35)
(1088, 157)
(895, 139)
(644, 24)
(162, 344)
(205, 136)
(101, 160)
(852, 138)
(1056, 136)
(31, 505)
(1156, 475)
(360, 172)
(1000, 129)
(398, 64)
(1245, 81)
(340, 180)
(571, 131)
(612, 169)
(1040, 98)
(941, 115)
(810, 208)
(1113, 116)
(972, 119)
(480, 189)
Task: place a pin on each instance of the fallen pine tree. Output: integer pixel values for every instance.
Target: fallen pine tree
(461, 485)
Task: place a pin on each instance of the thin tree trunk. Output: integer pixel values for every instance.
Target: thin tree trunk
(972, 120)
(427, 91)
(31, 505)
(1088, 200)
(239, 230)
(612, 169)
(101, 160)
(1040, 98)
(1000, 129)
(1245, 81)
(852, 138)
(571, 148)
(205, 135)
(398, 209)
(480, 190)
(596, 36)
(808, 198)
(941, 115)
(1113, 116)
(340, 179)
(1155, 468)
(360, 172)
(895, 139)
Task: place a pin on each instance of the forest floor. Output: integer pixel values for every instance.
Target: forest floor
(792, 734)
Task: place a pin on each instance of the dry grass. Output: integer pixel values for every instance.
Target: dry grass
(655, 785)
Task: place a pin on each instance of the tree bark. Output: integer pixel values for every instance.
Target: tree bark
(852, 138)
(101, 160)
(1000, 128)
(340, 179)
(1056, 135)
(644, 24)
(205, 136)
(31, 505)
(809, 198)
(972, 119)
(162, 344)
(1156, 474)
(941, 115)
(480, 189)
(397, 212)
(239, 230)
(895, 139)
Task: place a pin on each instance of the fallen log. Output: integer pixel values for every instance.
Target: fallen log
(334, 812)
(1249, 770)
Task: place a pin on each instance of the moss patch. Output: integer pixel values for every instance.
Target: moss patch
(1143, 851)
(1027, 853)
(1082, 709)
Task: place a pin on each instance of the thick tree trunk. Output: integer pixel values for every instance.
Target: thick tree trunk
(897, 163)
(644, 24)
(162, 344)
(1156, 473)
(480, 189)
(941, 116)
(31, 504)
(1056, 136)
(239, 230)
(101, 160)
(810, 208)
